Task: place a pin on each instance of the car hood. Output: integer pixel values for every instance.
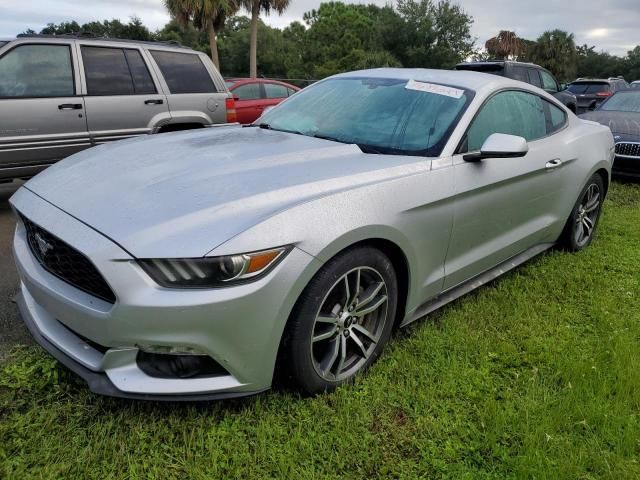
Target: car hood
(183, 194)
(623, 123)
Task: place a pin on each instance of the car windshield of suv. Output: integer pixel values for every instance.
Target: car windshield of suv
(380, 115)
(623, 102)
(588, 88)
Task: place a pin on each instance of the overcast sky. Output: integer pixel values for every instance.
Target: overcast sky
(611, 25)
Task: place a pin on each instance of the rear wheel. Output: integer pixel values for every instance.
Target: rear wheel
(581, 226)
(342, 320)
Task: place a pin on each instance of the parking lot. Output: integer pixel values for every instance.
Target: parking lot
(13, 331)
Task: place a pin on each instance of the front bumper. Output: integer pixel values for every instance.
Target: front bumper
(239, 327)
(626, 166)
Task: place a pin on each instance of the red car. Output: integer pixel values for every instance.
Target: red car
(253, 95)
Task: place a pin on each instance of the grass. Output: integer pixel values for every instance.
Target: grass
(535, 376)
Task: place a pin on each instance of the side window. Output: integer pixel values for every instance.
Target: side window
(37, 71)
(548, 82)
(519, 73)
(534, 77)
(107, 71)
(142, 82)
(556, 117)
(184, 72)
(512, 112)
(275, 91)
(290, 91)
(248, 91)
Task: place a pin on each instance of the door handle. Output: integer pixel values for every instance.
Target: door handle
(70, 106)
(154, 102)
(555, 163)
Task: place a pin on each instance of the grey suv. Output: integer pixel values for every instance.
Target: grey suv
(525, 72)
(62, 94)
(591, 92)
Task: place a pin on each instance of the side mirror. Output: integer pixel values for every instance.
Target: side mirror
(500, 145)
(563, 87)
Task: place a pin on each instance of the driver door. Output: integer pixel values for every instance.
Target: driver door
(506, 205)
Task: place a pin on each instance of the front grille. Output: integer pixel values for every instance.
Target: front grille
(628, 149)
(65, 262)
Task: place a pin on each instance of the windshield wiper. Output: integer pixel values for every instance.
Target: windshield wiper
(266, 126)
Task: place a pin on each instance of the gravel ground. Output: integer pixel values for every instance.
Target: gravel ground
(12, 331)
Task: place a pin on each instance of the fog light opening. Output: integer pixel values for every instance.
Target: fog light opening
(172, 365)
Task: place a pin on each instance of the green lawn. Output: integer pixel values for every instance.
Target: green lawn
(534, 376)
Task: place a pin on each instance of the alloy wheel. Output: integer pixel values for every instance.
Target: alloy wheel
(586, 215)
(349, 324)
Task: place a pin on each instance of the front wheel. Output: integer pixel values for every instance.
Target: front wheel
(581, 226)
(342, 320)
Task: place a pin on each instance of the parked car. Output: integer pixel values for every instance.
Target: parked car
(61, 94)
(252, 96)
(592, 92)
(525, 72)
(198, 265)
(621, 113)
(635, 84)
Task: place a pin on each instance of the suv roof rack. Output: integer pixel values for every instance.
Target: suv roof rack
(84, 35)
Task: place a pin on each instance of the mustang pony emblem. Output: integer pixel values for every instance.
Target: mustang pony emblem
(43, 246)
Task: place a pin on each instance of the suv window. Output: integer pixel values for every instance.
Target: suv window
(534, 78)
(548, 82)
(588, 88)
(106, 71)
(511, 112)
(37, 71)
(519, 73)
(274, 90)
(184, 72)
(142, 82)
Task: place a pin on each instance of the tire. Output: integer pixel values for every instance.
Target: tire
(582, 223)
(322, 325)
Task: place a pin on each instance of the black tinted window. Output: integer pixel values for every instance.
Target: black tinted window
(534, 77)
(184, 72)
(37, 71)
(588, 88)
(142, 82)
(519, 73)
(107, 71)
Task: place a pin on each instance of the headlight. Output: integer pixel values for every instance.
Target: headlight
(212, 272)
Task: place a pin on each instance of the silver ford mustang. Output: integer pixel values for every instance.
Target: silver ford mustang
(201, 265)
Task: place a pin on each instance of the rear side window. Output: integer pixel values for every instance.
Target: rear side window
(548, 82)
(513, 113)
(184, 72)
(534, 77)
(107, 71)
(37, 71)
(248, 91)
(142, 82)
(556, 118)
(520, 73)
(275, 91)
(586, 88)
(291, 91)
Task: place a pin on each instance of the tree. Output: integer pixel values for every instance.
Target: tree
(205, 15)
(598, 64)
(556, 51)
(255, 7)
(505, 45)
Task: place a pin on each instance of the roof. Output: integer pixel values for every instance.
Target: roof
(498, 62)
(468, 79)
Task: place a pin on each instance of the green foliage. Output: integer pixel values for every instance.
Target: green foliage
(556, 51)
(532, 377)
(133, 29)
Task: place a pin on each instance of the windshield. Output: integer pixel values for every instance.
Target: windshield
(588, 88)
(380, 115)
(623, 102)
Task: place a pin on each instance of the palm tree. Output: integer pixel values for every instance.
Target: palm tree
(556, 51)
(504, 45)
(205, 15)
(256, 7)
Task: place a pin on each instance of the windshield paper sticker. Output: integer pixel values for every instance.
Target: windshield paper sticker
(433, 88)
